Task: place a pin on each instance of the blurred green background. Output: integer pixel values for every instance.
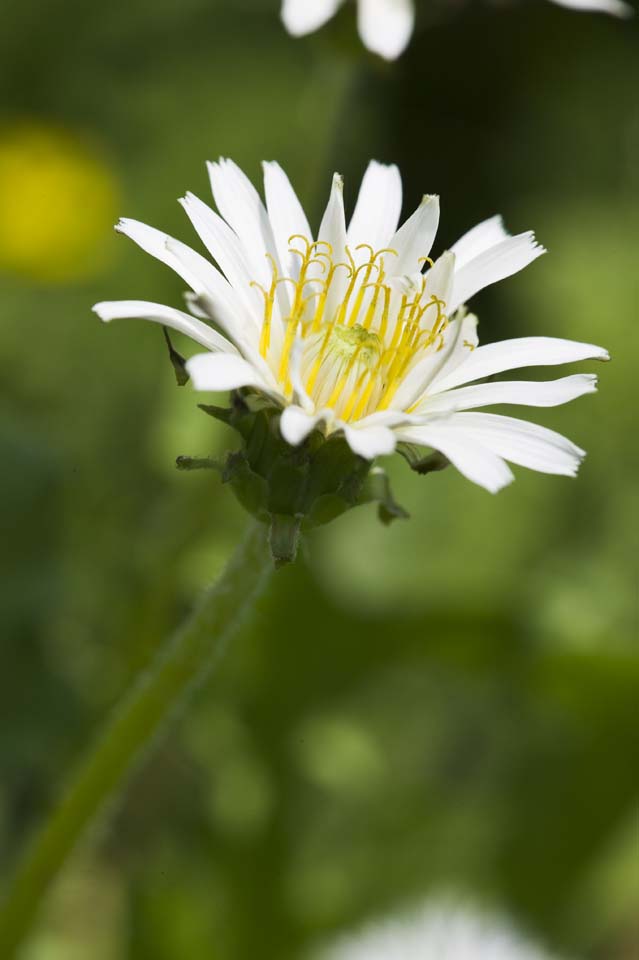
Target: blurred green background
(448, 703)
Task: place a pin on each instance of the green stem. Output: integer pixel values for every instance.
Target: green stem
(179, 666)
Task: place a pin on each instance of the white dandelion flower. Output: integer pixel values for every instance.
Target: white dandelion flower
(345, 332)
(386, 26)
(439, 931)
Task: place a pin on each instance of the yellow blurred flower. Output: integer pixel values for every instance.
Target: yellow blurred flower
(57, 202)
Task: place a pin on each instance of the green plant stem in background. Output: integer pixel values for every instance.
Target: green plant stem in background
(179, 666)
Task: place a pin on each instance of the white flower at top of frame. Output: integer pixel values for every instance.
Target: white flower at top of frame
(344, 332)
(439, 931)
(386, 26)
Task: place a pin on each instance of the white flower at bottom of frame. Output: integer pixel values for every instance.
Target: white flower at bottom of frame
(386, 26)
(439, 931)
(345, 332)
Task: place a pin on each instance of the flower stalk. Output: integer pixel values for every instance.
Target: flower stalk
(180, 666)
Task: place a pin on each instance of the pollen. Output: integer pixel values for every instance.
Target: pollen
(360, 331)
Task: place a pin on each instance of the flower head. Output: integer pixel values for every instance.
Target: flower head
(439, 931)
(386, 26)
(356, 332)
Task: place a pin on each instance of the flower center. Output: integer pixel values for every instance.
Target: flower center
(360, 331)
(346, 342)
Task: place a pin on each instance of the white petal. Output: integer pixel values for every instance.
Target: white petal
(386, 26)
(370, 442)
(296, 424)
(438, 283)
(460, 337)
(224, 246)
(385, 418)
(168, 317)
(333, 231)
(216, 371)
(485, 235)
(496, 263)
(514, 354)
(460, 340)
(528, 393)
(201, 276)
(333, 226)
(526, 444)
(415, 237)
(304, 16)
(378, 207)
(295, 374)
(440, 279)
(615, 7)
(286, 215)
(471, 458)
(195, 306)
(241, 206)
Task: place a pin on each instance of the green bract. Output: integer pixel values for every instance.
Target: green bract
(292, 489)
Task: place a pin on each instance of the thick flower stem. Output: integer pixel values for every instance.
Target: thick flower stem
(179, 666)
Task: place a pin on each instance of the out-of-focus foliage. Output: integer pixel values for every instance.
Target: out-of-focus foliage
(448, 702)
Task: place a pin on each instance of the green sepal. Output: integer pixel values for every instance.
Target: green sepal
(288, 484)
(326, 508)
(284, 538)
(250, 489)
(295, 489)
(336, 468)
(218, 413)
(431, 463)
(177, 361)
(199, 463)
(377, 489)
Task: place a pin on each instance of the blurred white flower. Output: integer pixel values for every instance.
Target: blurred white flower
(616, 7)
(345, 333)
(386, 26)
(439, 931)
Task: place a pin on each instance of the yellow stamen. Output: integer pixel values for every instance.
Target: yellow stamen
(363, 401)
(354, 357)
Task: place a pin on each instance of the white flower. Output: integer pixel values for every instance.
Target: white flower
(439, 931)
(386, 26)
(346, 333)
(616, 7)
